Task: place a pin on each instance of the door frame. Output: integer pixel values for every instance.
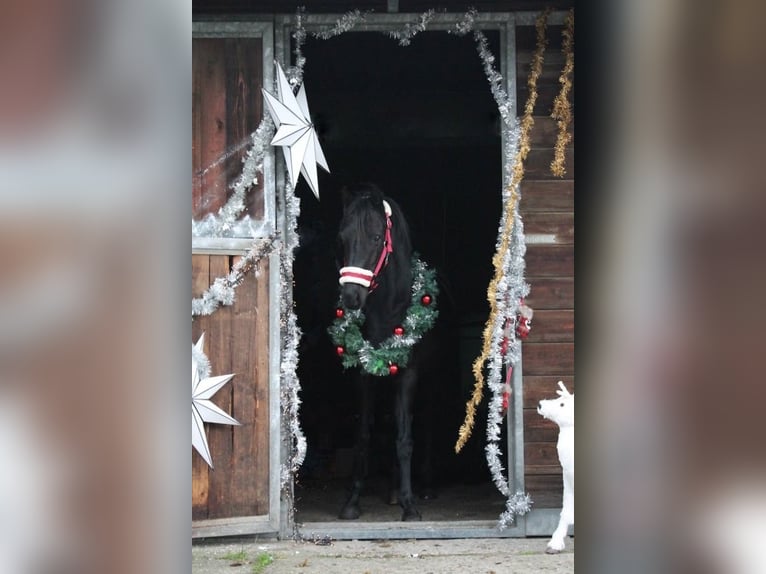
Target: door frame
(536, 522)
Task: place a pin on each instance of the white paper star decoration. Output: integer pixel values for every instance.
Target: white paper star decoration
(203, 409)
(295, 132)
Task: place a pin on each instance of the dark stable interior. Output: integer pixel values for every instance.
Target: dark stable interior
(420, 122)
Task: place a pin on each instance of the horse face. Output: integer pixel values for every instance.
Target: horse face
(361, 238)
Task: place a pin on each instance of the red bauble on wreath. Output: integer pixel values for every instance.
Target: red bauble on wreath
(393, 369)
(399, 331)
(426, 299)
(339, 313)
(339, 350)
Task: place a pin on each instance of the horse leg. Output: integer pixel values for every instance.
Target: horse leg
(351, 509)
(404, 396)
(426, 430)
(393, 489)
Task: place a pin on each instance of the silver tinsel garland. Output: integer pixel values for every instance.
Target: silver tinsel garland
(510, 124)
(289, 390)
(405, 36)
(344, 24)
(294, 73)
(511, 288)
(516, 505)
(203, 363)
(225, 223)
(465, 26)
(221, 292)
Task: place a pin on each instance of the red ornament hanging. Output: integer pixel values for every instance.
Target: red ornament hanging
(426, 299)
(339, 350)
(524, 321)
(506, 397)
(393, 369)
(399, 331)
(339, 313)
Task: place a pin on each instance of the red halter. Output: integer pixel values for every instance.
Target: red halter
(365, 277)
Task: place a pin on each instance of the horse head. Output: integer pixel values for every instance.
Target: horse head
(371, 232)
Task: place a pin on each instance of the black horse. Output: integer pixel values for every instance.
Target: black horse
(374, 252)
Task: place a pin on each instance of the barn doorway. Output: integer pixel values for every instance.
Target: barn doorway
(420, 122)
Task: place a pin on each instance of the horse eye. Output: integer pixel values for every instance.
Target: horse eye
(377, 237)
(562, 405)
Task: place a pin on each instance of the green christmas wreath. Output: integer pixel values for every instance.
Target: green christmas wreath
(395, 352)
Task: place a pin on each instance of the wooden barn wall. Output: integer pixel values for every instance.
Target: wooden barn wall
(547, 207)
(226, 109)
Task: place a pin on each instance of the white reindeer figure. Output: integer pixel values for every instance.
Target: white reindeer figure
(561, 412)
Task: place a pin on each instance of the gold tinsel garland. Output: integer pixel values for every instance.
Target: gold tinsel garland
(562, 111)
(497, 260)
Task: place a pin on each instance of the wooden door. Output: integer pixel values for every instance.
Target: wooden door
(240, 494)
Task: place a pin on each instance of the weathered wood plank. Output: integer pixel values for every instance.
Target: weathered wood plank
(243, 67)
(209, 125)
(551, 293)
(242, 328)
(546, 94)
(549, 74)
(559, 224)
(200, 470)
(220, 437)
(538, 164)
(550, 260)
(545, 131)
(539, 429)
(546, 195)
(549, 359)
(554, 326)
(537, 388)
(197, 83)
(200, 275)
(546, 490)
(526, 38)
(541, 458)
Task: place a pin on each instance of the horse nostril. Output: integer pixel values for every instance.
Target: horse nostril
(350, 300)
(353, 297)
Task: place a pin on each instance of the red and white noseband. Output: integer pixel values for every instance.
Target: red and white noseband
(365, 277)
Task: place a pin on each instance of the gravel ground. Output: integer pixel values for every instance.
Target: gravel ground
(469, 556)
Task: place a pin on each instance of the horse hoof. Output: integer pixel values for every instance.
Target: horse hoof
(350, 512)
(411, 515)
(549, 550)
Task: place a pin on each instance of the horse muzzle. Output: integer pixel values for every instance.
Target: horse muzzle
(355, 285)
(353, 296)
